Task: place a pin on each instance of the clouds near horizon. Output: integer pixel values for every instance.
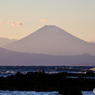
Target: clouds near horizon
(13, 23)
(43, 20)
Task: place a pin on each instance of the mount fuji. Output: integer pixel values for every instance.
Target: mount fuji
(52, 40)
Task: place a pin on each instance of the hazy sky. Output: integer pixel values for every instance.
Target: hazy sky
(19, 18)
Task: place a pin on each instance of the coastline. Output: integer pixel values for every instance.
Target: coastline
(40, 81)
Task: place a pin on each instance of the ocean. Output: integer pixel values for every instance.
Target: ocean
(12, 70)
(38, 93)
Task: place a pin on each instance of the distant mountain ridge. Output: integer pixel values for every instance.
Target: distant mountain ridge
(5, 41)
(52, 40)
(10, 58)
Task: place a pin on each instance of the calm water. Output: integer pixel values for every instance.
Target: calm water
(37, 93)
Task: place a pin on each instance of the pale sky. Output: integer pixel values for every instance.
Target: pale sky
(19, 18)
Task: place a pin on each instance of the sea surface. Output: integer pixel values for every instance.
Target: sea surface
(12, 70)
(38, 93)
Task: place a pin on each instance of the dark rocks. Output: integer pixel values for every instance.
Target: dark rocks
(40, 81)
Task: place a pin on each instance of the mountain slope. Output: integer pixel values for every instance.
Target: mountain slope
(20, 59)
(52, 40)
(5, 41)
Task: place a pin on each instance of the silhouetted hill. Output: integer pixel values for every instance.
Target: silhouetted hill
(5, 41)
(15, 58)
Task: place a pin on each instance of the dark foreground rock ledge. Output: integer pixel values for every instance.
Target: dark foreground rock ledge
(40, 81)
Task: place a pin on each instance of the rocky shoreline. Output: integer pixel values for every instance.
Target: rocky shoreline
(40, 81)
